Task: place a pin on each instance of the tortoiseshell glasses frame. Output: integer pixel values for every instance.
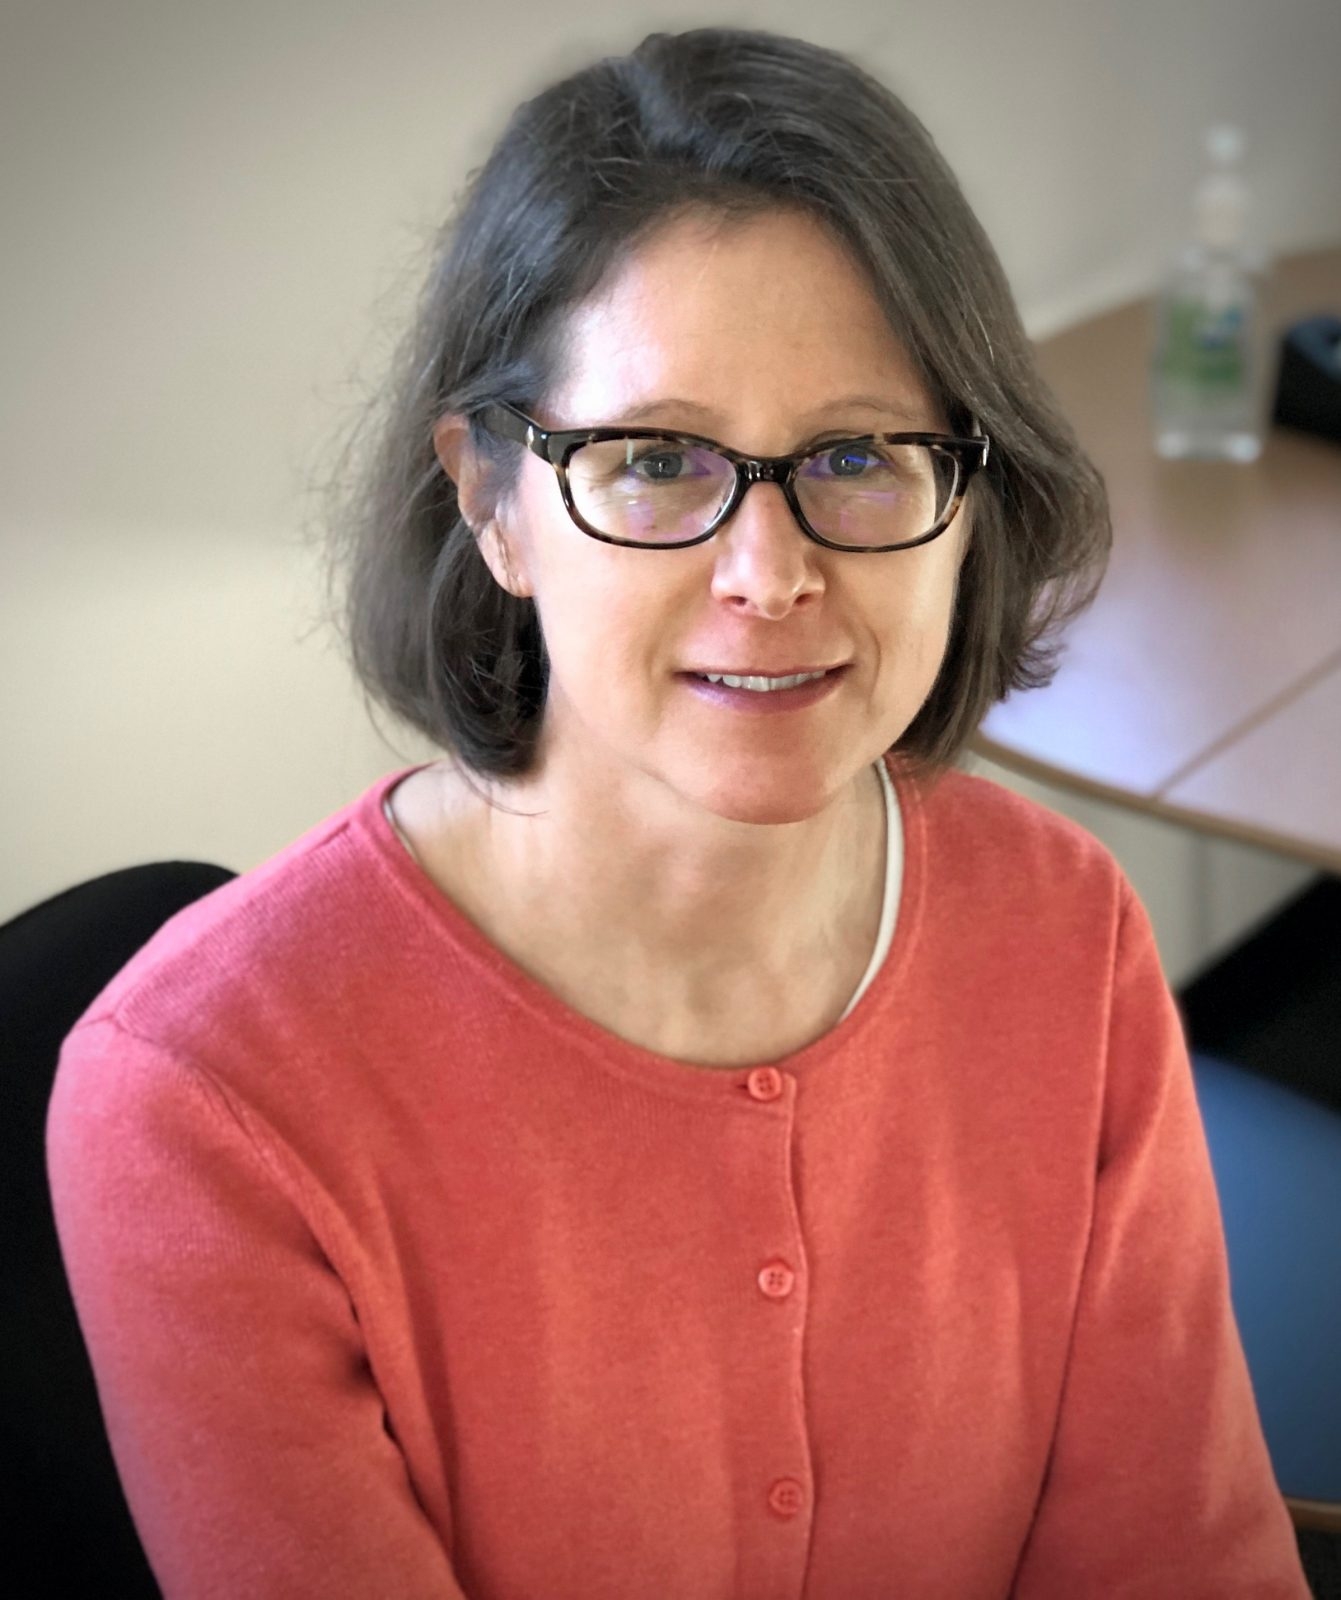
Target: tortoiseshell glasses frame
(557, 446)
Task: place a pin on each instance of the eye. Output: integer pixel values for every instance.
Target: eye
(660, 466)
(664, 461)
(846, 460)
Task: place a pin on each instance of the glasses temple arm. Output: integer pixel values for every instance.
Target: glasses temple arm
(508, 424)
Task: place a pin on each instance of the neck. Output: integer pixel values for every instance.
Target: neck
(690, 905)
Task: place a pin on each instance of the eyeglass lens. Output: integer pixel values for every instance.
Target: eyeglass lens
(665, 491)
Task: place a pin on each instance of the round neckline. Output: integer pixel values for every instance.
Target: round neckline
(441, 916)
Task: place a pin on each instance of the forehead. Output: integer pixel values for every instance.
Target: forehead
(765, 317)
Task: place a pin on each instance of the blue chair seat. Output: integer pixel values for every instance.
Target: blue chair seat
(1276, 1155)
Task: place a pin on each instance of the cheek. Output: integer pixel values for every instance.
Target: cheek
(914, 626)
(607, 615)
(926, 598)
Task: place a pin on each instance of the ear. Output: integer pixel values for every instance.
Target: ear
(460, 461)
(457, 455)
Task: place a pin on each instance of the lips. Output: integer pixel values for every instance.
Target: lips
(763, 672)
(764, 693)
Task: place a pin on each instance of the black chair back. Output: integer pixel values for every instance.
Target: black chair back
(70, 1532)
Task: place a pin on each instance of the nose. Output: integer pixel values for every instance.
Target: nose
(765, 566)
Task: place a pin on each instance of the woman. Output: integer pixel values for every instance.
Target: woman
(689, 1140)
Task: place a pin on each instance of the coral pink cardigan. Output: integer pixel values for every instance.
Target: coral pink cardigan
(401, 1279)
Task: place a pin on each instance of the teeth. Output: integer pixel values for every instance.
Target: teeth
(762, 685)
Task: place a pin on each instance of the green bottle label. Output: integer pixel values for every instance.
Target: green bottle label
(1203, 347)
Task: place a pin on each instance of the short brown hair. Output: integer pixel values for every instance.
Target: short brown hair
(731, 120)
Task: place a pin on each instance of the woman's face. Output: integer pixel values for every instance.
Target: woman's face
(764, 335)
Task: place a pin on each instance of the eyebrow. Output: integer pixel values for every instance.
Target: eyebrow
(655, 411)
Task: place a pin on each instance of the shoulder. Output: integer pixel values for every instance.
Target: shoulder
(975, 810)
(1003, 860)
(291, 1016)
(267, 953)
(1011, 832)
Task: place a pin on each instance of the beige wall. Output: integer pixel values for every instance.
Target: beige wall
(213, 217)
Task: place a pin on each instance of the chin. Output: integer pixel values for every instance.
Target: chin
(766, 798)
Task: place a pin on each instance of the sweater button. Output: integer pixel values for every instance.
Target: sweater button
(776, 1280)
(764, 1083)
(786, 1497)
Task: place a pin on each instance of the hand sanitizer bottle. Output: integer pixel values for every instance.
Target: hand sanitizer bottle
(1204, 381)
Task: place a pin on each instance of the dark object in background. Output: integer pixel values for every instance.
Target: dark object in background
(68, 1526)
(1308, 379)
(1273, 1004)
(1321, 1556)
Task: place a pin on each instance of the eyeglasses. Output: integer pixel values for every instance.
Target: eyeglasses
(646, 487)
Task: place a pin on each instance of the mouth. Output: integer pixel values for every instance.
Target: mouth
(767, 683)
(766, 691)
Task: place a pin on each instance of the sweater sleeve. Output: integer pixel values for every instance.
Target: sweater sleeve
(1159, 1485)
(245, 1422)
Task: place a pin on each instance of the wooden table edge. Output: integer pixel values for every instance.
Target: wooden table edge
(1310, 852)
(1324, 1516)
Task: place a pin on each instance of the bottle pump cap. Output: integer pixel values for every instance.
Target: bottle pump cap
(1221, 201)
